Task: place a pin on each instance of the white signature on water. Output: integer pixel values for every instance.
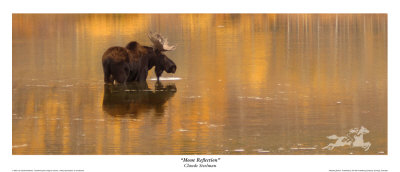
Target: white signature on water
(354, 138)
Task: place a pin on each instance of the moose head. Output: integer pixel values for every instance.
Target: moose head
(160, 60)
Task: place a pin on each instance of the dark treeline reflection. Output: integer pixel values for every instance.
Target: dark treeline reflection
(133, 98)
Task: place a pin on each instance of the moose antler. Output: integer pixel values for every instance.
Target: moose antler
(160, 42)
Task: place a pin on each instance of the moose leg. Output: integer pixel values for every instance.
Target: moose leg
(158, 71)
(159, 85)
(107, 72)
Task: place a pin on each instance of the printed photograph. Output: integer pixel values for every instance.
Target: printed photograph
(199, 84)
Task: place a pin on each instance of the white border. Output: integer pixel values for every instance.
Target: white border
(149, 163)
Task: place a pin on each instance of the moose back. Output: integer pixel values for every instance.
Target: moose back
(132, 63)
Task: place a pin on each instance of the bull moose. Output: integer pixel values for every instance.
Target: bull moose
(132, 63)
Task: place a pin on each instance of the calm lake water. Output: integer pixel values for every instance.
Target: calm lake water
(245, 84)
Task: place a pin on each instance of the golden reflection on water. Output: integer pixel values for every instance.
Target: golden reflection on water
(251, 84)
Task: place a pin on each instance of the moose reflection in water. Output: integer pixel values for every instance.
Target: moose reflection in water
(133, 98)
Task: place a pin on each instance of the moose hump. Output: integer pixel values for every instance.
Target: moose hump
(133, 62)
(136, 50)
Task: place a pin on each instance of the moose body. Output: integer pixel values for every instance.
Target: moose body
(116, 65)
(132, 63)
